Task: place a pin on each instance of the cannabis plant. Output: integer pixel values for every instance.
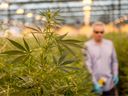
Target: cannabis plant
(46, 66)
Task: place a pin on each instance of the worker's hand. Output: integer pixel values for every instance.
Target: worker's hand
(97, 88)
(115, 80)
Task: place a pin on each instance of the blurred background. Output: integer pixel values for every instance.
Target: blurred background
(78, 15)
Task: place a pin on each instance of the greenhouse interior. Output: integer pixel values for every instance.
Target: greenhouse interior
(63, 47)
(76, 13)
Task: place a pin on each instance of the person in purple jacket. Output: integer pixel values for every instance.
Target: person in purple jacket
(101, 61)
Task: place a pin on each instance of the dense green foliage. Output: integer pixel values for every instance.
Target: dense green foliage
(121, 44)
(45, 65)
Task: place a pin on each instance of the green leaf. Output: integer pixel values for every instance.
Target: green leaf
(32, 28)
(40, 30)
(62, 57)
(69, 49)
(54, 60)
(62, 36)
(19, 46)
(26, 45)
(26, 58)
(71, 41)
(60, 19)
(19, 59)
(68, 62)
(13, 52)
(36, 39)
(63, 69)
(70, 67)
(74, 44)
(59, 48)
(56, 13)
(24, 78)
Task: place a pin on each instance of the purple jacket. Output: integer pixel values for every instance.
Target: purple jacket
(101, 61)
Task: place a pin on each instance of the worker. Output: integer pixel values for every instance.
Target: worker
(101, 61)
